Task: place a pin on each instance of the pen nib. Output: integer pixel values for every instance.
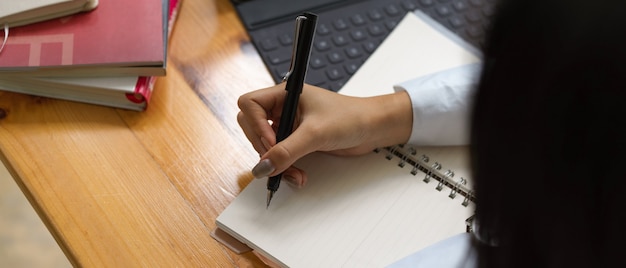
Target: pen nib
(270, 194)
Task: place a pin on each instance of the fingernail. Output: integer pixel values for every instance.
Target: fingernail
(263, 168)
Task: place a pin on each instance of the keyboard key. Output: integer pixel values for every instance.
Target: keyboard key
(474, 31)
(459, 5)
(316, 80)
(390, 24)
(473, 16)
(370, 46)
(376, 30)
(286, 39)
(340, 40)
(353, 52)
(278, 57)
(357, 20)
(322, 29)
(322, 45)
(351, 67)
(427, 2)
(335, 57)
(456, 22)
(408, 5)
(340, 24)
(358, 35)
(268, 44)
(374, 14)
(317, 62)
(443, 11)
(335, 73)
(392, 10)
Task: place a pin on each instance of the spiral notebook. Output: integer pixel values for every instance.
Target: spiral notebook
(372, 210)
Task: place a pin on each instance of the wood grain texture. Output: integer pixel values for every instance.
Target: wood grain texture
(118, 188)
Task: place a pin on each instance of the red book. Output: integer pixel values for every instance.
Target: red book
(119, 37)
(127, 92)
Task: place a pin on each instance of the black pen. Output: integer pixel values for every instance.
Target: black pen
(305, 30)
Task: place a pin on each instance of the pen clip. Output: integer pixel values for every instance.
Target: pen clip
(299, 21)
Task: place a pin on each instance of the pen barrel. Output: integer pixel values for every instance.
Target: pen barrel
(296, 78)
(295, 82)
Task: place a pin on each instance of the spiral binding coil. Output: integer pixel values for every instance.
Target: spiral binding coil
(408, 155)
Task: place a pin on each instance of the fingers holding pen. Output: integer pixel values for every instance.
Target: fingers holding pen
(286, 153)
(317, 108)
(293, 175)
(258, 109)
(255, 133)
(250, 134)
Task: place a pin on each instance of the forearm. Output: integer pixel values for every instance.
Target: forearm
(391, 119)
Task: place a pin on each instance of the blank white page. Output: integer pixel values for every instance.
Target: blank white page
(353, 212)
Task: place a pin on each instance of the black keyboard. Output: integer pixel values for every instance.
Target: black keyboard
(346, 36)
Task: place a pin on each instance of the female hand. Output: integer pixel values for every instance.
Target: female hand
(325, 121)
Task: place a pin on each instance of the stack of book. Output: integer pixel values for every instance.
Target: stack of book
(106, 52)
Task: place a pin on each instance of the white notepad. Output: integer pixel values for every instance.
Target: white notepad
(366, 211)
(418, 46)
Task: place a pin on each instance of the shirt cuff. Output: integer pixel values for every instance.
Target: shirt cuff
(441, 105)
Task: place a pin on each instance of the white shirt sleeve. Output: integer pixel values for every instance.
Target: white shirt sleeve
(453, 252)
(442, 105)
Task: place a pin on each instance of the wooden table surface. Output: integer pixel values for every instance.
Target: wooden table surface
(119, 188)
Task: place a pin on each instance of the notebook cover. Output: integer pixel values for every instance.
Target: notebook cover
(117, 33)
(137, 90)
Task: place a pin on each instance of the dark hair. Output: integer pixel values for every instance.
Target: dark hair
(549, 135)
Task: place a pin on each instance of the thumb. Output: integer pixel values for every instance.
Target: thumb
(282, 155)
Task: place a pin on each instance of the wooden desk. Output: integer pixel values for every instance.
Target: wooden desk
(119, 188)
